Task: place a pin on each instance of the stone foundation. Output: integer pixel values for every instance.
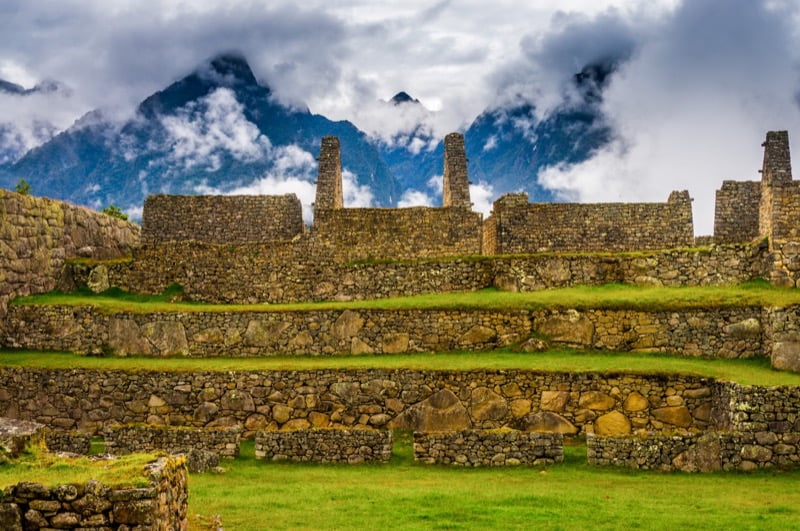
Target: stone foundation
(70, 442)
(489, 448)
(94, 505)
(353, 446)
(122, 440)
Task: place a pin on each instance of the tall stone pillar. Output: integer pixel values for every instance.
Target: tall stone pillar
(777, 167)
(455, 186)
(329, 175)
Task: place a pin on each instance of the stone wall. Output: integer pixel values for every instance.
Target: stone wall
(569, 403)
(524, 228)
(221, 219)
(94, 505)
(717, 332)
(736, 211)
(133, 438)
(267, 272)
(353, 234)
(489, 448)
(71, 442)
(697, 453)
(455, 183)
(353, 446)
(38, 234)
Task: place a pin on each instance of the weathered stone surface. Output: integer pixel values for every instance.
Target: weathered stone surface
(442, 411)
(747, 328)
(704, 456)
(533, 344)
(612, 424)
(98, 279)
(568, 327)
(125, 338)
(520, 407)
(167, 337)
(756, 453)
(395, 343)
(554, 400)
(358, 346)
(675, 415)
(476, 335)
(10, 517)
(263, 334)
(485, 404)
(635, 402)
(596, 400)
(786, 354)
(348, 324)
(547, 422)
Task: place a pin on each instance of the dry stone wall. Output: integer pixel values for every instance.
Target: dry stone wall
(524, 228)
(267, 273)
(717, 332)
(94, 505)
(489, 448)
(70, 442)
(569, 403)
(38, 234)
(127, 439)
(352, 446)
(736, 211)
(353, 234)
(221, 219)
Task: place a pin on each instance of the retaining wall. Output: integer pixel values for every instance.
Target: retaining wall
(717, 332)
(489, 448)
(353, 446)
(90, 400)
(71, 442)
(38, 234)
(94, 505)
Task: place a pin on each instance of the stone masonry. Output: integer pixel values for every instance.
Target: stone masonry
(455, 185)
(329, 176)
(352, 446)
(132, 438)
(489, 448)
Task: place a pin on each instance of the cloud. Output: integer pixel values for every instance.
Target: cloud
(355, 195)
(692, 105)
(202, 131)
(413, 197)
(482, 196)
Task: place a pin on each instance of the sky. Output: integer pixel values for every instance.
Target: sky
(699, 82)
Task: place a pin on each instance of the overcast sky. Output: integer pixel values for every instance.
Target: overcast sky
(702, 81)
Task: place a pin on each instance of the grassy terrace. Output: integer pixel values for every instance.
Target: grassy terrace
(750, 372)
(40, 467)
(754, 293)
(404, 495)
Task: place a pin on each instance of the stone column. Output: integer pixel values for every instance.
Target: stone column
(329, 176)
(455, 186)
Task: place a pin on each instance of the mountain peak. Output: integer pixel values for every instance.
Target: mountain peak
(402, 97)
(229, 68)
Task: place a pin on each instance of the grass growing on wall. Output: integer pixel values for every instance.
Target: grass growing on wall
(403, 495)
(749, 371)
(609, 296)
(40, 467)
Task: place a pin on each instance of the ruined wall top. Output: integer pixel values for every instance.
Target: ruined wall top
(455, 185)
(329, 175)
(777, 167)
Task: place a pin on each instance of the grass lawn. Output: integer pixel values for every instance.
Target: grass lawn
(751, 371)
(403, 495)
(754, 293)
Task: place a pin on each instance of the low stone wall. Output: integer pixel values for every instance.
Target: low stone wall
(143, 438)
(489, 448)
(354, 446)
(94, 505)
(755, 409)
(717, 332)
(569, 403)
(38, 234)
(300, 271)
(71, 442)
(697, 453)
(223, 219)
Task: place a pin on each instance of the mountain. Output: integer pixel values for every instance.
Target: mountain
(507, 146)
(16, 139)
(215, 130)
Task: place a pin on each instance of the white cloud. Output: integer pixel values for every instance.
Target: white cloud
(413, 197)
(354, 194)
(436, 183)
(202, 131)
(482, 196)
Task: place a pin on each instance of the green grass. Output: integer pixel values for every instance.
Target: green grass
(610, 296)
(751, 372)
(403, 495)
(40, 467)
